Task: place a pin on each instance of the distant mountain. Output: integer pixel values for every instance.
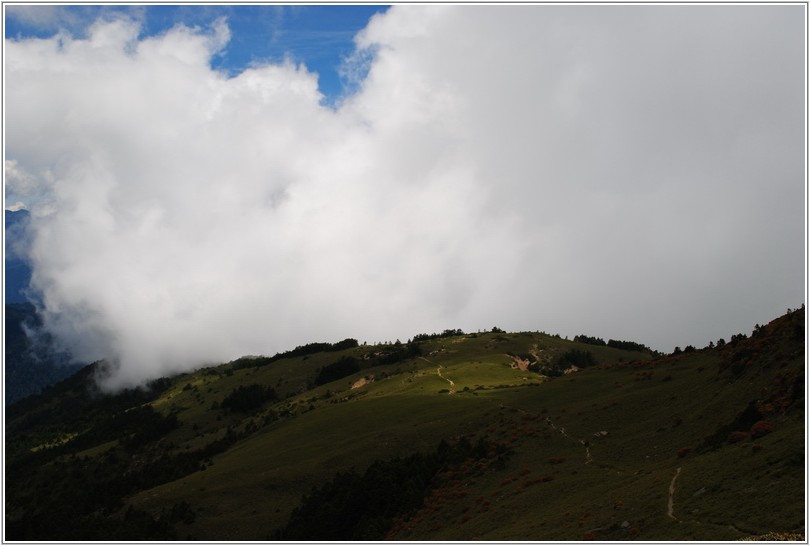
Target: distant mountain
(448, 437)
(30, 366)
(18, 271)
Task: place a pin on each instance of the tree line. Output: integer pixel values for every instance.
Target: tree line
(301, 350)
(573, 357)
(614, 343)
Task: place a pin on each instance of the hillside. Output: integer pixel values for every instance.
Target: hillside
(488, 436)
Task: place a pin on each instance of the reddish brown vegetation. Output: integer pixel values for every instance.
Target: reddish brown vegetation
(683, 452)
(448, 489)
(544, 479)
(736, 437)
(557, 460)
(788, 388)
(761, 428)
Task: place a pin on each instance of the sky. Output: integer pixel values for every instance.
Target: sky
(207, 182)
(322, 37)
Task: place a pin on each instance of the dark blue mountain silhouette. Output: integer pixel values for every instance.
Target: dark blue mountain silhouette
(18, 271)
(31, 362)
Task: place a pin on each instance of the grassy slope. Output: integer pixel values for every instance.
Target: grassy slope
(615, 487)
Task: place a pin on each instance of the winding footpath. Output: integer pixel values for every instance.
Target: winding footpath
(439, 373)
(671, 504)
(452, 385)
(561, 430)
(671, 509)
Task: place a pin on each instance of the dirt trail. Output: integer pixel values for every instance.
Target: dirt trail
(439, 373)
(561, 430)
(671, 509)
(452, 385)
(671, 504)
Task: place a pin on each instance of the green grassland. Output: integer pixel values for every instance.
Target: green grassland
(593, 454)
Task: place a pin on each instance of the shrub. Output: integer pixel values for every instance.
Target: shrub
(737, 436)
(354, 507)
(557, 460)
(683, 452)
(247, 398)
(589, 340)
(574, 357)
(756, 447)
(761, 428)
(344, 367)
(529, 483)
(628, 346)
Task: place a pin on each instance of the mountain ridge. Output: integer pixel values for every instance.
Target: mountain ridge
(629, 446)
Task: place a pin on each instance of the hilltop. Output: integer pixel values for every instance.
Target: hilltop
(452, 436)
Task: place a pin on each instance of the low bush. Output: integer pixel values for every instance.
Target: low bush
(761, 428)
(344, 367)
(737, 436)
(247, 398)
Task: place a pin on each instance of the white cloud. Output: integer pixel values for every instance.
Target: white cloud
(19, 182)
(628, 172)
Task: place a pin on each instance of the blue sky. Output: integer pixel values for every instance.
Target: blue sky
(320, 37)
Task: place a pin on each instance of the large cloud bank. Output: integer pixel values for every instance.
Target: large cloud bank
(628, 172)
